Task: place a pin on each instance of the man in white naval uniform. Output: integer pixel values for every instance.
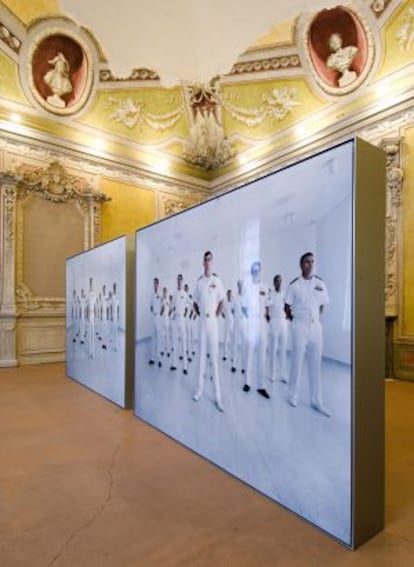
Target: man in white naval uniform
(305, 299)
(208, 304)
(228, 314)
(91, 311)
(255, 299)
(115, 317)
(179, 306)
(188, 323)
(83, 310)
(239, 332)
(278, 330)
(155, 308)
(165, 324)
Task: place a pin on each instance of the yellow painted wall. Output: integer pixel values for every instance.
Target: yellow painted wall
(408, 236)
(9, 80)
(131, 207)
(27, 10)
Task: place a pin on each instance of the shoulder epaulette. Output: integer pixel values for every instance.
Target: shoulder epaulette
(318, 278)
(295, 280)
(200, 278)
(213, 274)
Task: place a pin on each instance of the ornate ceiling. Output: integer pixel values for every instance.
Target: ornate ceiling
(233, 110)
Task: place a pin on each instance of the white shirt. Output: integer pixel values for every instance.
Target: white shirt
(229, 311)
(237, 307)
(165, 304)
(180, 302)
(305, 297)
(208, 293)
(156, 304)
(255, 298)
(115, 307)
(277, 304)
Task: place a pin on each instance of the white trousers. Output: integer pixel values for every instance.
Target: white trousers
(155, 338)
(239, 340)
(278, 336)
(256, 335)
(165, 335)
(208, 343)
(91, 338)
(306, 339)
(228, 337)
(179, 339)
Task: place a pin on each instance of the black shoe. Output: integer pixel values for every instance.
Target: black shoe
(263, 393)
(193, 353)
(159, 364)
(162, 353)
(173, 368)
(82, 342)
(185, 371)
(224, 358)
(233, 369)
(74, 340)
(150, 362)
(99, 338)
(168, 354)
(181, 357)
(104, 347)
(242, 370)
(246, 388)
(189, 359)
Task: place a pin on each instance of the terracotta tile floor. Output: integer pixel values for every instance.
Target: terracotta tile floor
(83, 483)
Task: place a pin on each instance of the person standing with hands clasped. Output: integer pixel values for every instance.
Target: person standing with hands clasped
(208, 303)
(305, 299)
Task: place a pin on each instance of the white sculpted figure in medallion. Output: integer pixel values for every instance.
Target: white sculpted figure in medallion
(341, 59)
(58, 80)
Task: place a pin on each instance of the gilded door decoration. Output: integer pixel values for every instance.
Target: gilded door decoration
(394, 179)
(31, 321)
(56, 184)
(170, 205)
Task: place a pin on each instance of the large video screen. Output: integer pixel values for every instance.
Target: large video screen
(96, 319)
(243, 334)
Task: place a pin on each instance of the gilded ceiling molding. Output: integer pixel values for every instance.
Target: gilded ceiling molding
(95, 166)
(267, 64)
(379, 6)
(8, 38)
(208, 147)
(137, 75)
(338, 47)
(58, 66)
(130, 112)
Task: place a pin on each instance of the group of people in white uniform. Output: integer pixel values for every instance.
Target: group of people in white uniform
(256, 322)
(95, 319)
